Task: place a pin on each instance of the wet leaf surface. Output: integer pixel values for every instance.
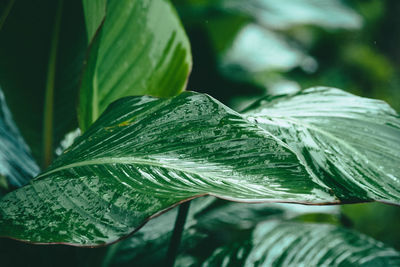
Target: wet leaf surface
(145, 155)
(351, 143)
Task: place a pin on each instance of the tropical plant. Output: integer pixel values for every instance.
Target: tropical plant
(142, 146)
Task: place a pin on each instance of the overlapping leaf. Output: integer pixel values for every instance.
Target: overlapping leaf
(351, 143)
(141, 49)
(279, 243)
(16, 162)
(283, 15)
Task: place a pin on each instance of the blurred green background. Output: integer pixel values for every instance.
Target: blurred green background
(245, 49)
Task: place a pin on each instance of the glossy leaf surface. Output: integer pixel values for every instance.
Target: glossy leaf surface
(279, 243)
(215, 235)
(145, 155)
(141, 49)
(16, 162)
(351, 143)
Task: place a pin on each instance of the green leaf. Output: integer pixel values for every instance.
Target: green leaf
(141, 49)
(42, 49)
(210, 221)
(352, 144)
(145, 155)
(95, 11)
(17, 166)
(278, 243)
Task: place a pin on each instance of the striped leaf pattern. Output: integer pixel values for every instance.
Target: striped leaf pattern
(352, 144)
(16, 162)
(145, 155)
(279, 243)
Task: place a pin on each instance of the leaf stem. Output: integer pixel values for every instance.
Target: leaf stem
(49, 97)
(177, 234)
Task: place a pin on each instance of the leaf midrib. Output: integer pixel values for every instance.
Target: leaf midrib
(120, 160)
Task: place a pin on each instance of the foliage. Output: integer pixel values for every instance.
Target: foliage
(117, 70)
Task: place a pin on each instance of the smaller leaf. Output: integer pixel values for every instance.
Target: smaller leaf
(282, 15)
(279, 243)
(16, 163)
(141, 49)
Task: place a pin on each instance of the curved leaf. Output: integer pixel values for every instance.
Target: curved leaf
(351, 143)
(145, 155)
(141, 49)
(16, 162)
(294, 244)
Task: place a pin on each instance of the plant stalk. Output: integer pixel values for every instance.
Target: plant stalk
(49, 97)
(177, 234)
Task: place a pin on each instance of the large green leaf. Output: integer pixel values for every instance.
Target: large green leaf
(141, 49)
(145, 155)
(351, 143)
(230, 234)
(42, 49)
(278, 243)
(16, 162)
